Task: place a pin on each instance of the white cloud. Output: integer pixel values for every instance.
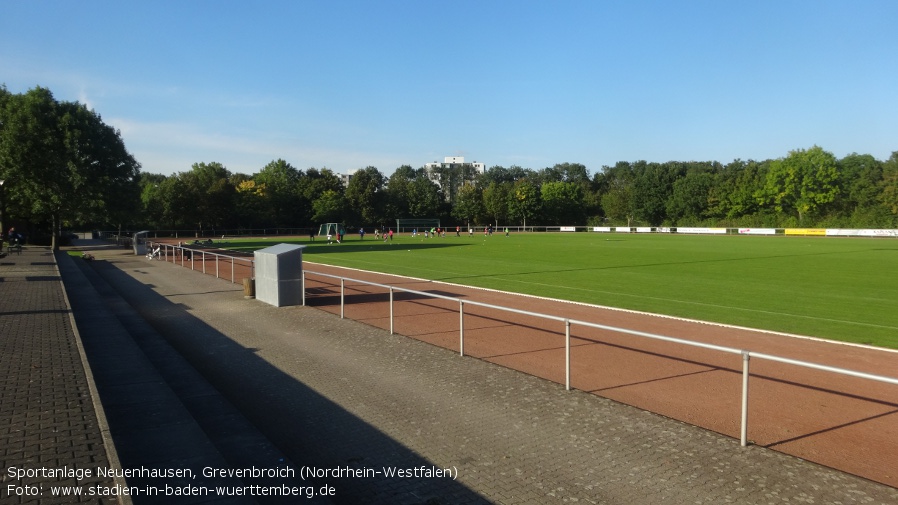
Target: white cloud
(82, 97)
(169, 147)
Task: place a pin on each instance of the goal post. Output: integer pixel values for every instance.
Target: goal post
(408, 224)
(332, 229)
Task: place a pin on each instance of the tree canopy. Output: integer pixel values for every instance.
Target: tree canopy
(62, 165)
(807, 187)
(802, 182)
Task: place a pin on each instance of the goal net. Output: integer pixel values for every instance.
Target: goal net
(332, 229)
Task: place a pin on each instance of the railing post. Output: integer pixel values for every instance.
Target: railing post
(204, 262)
(567, 354)
(461, 327)
(391, 310)
(342, 296)
(232, 270)
(743, 432)
(303, 288)
(216, 266)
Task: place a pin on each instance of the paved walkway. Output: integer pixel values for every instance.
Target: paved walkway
(356, 402)
(47, 416)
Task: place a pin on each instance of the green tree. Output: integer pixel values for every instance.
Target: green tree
(5, 192)
(652, 187)
(365, 196)
(63, 163)
(424, 197)
(177, 202)
(34, 157)
(469, 204)
(496, 200)
(566, 172)
(495, 174)
(329, 207)
(614, 187)
(562, 203)
(209, 186)
(523, 201)
(803, 182)
(151, 199)
(250, 203)
(689, 199)
(861, 178)
(617, 204)
(732, 195)
(499, 175)
(889, 194)
(398, 189)
(314, 184)
(861, 175)
(282, 198)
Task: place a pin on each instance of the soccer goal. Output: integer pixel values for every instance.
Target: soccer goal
(410, 224)
(332, 229)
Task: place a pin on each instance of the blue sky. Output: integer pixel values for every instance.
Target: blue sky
(347, 84)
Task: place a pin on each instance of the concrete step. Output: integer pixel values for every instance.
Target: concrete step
(161, 412)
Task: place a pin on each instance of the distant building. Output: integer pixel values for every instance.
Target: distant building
(454, 162)
(347, 177)
(453, 173)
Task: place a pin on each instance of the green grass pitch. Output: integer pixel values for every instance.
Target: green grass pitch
(836, 288)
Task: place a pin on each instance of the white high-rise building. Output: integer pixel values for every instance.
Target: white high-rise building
(452, 174)
(348, 176)
(454, 162)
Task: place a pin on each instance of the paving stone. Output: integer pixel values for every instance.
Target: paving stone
(45, 401)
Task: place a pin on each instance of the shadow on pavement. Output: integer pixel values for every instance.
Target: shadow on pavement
(308, 427)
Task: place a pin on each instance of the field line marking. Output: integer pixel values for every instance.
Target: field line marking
(729, 307)
(671, 300)
(629, 311)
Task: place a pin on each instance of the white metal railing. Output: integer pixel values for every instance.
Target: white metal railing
(177, 251)
(187, 254)
(746, 355)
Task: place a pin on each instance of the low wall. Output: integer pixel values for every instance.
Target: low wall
(804, 232)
